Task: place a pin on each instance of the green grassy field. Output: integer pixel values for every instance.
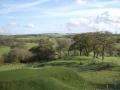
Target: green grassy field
(70, 73)
(74, 73)
(4, 50)
(30, 45)
(54, 78)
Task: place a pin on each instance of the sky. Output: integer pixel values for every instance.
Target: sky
(59, 16)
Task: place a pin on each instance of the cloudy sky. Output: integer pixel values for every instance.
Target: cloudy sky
(59, 16)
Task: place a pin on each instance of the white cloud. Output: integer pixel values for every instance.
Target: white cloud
(2, 31)
(105, 21)
(9, 27)
(83, 12)
(30, 26)
(12, 27)
(13, 23)
(80, 1)
(8, 8)
(77, 22)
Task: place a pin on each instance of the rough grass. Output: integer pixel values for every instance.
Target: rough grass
(101, 77)
(42, 79)
(73, 73)
(68, 61)
(8, 67)
(115, 60)
(106, 80)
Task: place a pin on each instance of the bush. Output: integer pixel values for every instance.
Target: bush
(17, 55)
(1, 60)
(44, 51)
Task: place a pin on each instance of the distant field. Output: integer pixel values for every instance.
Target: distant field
(30, 45)
(28, 38)
(4, 50)
(117, 45)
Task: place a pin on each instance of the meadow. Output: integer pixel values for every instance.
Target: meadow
(69, 72)
(4, 49)
(79, 73)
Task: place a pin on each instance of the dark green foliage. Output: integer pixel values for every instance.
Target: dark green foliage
(44, 51)
(17, 55)
(1, 60)
(63, 45)
(97, 66)
(11, 42)
(99, 43)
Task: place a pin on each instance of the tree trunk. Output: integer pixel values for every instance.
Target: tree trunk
(94, 54)
(68, 53)
(60, 53)
(74, 52)
(97, 54)
(103, 49)
(80, 51)
(86, 51)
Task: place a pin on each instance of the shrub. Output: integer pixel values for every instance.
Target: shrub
(44, 51)
(1, 60)
(17, 55)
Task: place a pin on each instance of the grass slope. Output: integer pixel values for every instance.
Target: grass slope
(73, 73)
(54, 78)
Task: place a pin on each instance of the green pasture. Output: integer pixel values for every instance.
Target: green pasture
(4, 50)
(73, 73)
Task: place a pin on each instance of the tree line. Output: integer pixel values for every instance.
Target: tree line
(95, 44)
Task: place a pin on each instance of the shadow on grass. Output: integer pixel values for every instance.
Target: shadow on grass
(66, 64)
(115, 86)
(96, 66)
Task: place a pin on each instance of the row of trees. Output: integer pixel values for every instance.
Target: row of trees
(47, 49)
(96, 44)
(11, 42)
